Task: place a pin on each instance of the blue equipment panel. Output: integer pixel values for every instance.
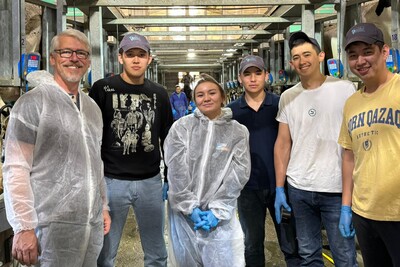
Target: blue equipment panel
(392, 61)
(335, 67)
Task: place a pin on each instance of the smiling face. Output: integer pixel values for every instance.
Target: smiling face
(209, 99)
(135, 62)
(306, 60)
(69, 71)
(367, 61)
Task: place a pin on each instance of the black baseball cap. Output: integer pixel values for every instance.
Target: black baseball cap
(301, 35)
(364, 32)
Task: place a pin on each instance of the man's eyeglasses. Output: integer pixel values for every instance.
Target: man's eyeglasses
(67, 53)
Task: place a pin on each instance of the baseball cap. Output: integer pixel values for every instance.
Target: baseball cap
(251, 61)
(364, 32)
(301, 35)
(134, 40)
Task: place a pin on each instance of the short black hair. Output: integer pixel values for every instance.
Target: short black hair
(298, 42)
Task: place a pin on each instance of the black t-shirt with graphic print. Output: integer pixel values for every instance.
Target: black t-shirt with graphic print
(136, 121)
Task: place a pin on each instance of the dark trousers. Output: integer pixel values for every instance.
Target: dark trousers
(379, 241)
(252, 208)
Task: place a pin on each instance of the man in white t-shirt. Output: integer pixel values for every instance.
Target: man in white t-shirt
(307, 154)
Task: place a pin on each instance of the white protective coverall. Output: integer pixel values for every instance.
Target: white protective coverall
(53, 173)
(208, 165)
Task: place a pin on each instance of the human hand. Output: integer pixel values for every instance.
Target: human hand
(345, 224)
(107, 221)
(280, 200)
(210, 219)
(25, 247)
(195, 216)
(196, 219)
(165, 191)
(174, 112)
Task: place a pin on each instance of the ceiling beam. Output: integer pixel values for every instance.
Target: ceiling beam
(41, 3)
(183, 55)
(200, 46)
(193, 65)
(198, 20)
(150, 3)
(180, 51)
(208, 33)
(197, 46)
(187, 61)
(163, 43)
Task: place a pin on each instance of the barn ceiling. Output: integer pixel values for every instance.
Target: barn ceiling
(192, 35)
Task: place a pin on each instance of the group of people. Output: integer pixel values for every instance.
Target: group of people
(312, 152)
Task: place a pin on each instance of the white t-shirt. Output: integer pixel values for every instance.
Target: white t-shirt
(314, 118)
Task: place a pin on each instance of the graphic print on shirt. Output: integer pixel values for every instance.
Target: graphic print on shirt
(132, 122)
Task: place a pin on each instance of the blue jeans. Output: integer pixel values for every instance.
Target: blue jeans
(312, 210)
(252, 208)
(145, 196)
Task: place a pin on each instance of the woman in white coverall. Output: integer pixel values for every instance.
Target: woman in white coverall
(208, 161)
(54, 184)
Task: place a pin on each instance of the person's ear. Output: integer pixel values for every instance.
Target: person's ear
(385, 51)
(52, 59)
(120, 59)
(321, 56)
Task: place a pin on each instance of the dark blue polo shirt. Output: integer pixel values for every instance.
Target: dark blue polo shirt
(263, 129)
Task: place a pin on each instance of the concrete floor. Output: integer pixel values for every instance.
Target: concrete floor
(130, 252)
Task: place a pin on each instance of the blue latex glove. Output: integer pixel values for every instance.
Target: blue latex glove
(210, 219)
(203, 225)
(280, 200)
(165, 191)
(195, 216)
(345, 224)
(174, 112)
(186, 112)
(197, 220)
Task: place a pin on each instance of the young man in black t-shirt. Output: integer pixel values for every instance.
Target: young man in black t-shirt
(137, 116)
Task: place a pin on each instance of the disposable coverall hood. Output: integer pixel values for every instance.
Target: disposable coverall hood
(39, 77)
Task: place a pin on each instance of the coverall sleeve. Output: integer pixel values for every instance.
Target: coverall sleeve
(19, 151)
(180, 195)
(236, 175)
